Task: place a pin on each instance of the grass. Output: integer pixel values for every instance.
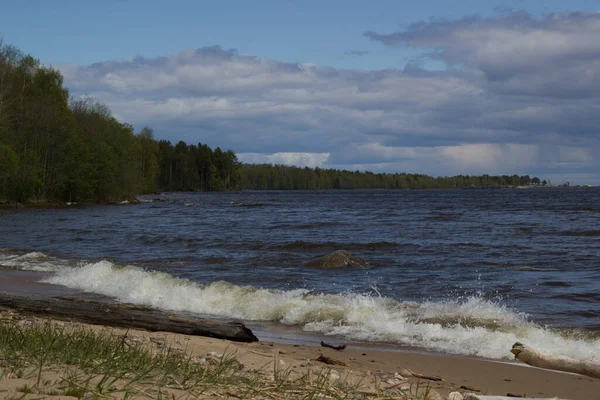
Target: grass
(82, 363)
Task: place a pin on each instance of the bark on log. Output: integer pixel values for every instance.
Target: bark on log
(124, 316)
(530, 356)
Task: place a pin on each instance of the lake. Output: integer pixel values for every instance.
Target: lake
(457, 271)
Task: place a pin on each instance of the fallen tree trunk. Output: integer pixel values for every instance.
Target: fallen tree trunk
(124, 316)
(530, 356)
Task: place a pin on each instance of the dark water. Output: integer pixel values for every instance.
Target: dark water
(461, 259)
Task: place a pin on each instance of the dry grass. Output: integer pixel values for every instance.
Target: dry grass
(43, 359)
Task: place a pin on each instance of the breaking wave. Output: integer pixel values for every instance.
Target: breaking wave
(474, 327)
(34, 261)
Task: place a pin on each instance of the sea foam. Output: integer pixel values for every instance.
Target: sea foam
(474, 326)
(34, 261)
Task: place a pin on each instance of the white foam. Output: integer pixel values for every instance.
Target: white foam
(354, 316)
(34, 261)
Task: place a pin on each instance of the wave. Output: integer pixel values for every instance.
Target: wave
(153, 239)
(556, 284)
(443, 217)
(467, 244)
(303, 245)
(244, 204)
(33, 261)
(474, 326)
(529, 268)
(307, 225)
(576, 233)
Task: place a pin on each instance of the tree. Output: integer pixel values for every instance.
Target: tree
(203, 165)
(9, 165)
(148, 160)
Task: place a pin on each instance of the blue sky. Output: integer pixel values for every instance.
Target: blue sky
(431, 86)
(309, 31)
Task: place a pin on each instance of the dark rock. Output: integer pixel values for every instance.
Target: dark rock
(337, 259)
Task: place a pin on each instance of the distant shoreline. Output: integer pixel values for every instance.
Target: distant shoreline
(64, 204)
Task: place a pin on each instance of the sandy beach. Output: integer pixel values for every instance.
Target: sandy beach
(374, 370)
(371, 365)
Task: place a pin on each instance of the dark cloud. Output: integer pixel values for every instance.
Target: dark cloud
(557, 55)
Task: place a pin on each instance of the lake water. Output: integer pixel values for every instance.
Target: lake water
(465, 272)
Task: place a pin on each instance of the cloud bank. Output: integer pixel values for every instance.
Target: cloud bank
(518, 95)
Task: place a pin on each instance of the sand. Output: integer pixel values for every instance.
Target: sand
(488, 377)
(376, 366)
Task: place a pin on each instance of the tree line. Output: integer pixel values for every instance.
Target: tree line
(282, 177)
(53, 147)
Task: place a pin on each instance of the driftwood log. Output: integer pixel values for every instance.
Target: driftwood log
(529, 356)
(124, 316)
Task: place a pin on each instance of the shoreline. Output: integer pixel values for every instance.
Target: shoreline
(17, 281)
(367, 362)
(379, 364)
(64, 204)
(376, 369)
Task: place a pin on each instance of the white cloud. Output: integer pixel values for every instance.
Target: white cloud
(299, 159)
(472, 158)
(497, 157)
(520, 95)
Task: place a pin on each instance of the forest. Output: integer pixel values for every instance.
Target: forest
(57, 148)
(283, 177)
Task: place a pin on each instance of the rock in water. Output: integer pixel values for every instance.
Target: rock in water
(337, 259)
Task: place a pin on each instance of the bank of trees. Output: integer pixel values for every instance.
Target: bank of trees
(197, 167)
(53, 147)
(282, 177)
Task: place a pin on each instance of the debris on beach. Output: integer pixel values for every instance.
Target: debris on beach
(331, 361)
(331, 346)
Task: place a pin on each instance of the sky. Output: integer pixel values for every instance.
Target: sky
(429, 86)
